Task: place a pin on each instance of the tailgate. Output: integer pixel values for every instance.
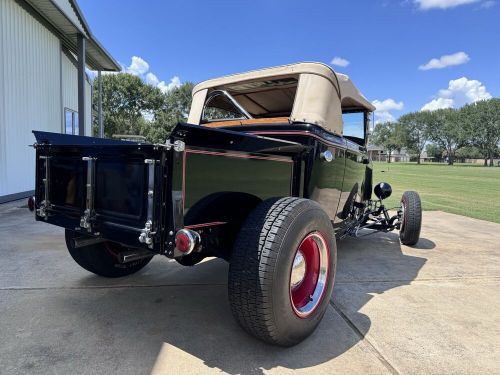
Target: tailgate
(100, 187)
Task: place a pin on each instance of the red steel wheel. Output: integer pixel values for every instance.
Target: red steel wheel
(282, 270)
(309, 274)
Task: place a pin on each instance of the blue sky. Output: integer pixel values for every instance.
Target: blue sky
(388, 44)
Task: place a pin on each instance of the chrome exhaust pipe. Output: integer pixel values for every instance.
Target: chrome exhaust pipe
(133, 255)
(86, 241)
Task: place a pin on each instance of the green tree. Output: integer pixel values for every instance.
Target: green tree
(126, 100)
(174, 109)
(447, 131)
(389, 136)
(415, 131)
(434, 151)
(130, 106)
(468, 152)
(482, 124)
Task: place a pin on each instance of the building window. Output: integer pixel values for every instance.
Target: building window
(70, 121)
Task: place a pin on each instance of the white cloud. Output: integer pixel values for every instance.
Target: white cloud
(174, 82)
(152, 79)
(388, 105)
(442, 4)
(459, 92)
(384, 108)
(438, 103)
(339, 61)
(488, 4)
(138, 66)
(446, 60)
(383, 116)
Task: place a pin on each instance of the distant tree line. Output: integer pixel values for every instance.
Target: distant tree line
(472, 131)
(132, 107)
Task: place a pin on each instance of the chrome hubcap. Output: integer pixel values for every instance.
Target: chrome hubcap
(309, 274)
(298, 270)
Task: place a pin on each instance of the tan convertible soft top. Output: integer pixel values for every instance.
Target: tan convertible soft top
(305, 92)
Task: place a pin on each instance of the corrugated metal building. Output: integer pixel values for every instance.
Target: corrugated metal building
(45, 46)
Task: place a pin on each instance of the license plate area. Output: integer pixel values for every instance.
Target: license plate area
(113, 192)
(121, 189)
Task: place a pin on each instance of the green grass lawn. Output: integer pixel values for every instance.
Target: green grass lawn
(468, 190)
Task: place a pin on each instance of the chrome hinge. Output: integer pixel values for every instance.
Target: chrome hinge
(85, 220)
(42, 211)
(147, 234)
(178, 145)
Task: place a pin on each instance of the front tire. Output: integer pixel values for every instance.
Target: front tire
(411, 218)
(102, 258)
(282, 270)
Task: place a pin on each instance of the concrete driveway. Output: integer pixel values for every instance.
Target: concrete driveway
(432, 309)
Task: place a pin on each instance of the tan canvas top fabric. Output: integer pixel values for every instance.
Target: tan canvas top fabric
(351, 97)
(278, 71)
(311, 92)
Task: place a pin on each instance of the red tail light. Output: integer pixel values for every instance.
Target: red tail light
(186, 240)
(31, 204)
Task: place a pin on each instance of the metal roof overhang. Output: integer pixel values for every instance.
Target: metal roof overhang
(97, 58)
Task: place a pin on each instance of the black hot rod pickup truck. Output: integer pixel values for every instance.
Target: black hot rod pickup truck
(269, 170)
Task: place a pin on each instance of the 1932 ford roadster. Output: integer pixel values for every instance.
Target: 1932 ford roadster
(270, 168)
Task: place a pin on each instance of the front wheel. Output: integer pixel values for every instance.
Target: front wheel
(411, 218)
(102, 258)
(282, 270)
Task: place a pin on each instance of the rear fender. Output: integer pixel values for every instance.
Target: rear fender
(218, 218)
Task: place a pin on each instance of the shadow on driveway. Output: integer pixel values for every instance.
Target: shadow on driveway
(369, 266)
(180, 325)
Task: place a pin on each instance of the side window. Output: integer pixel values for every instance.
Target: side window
(222, 106)
(216, 114)
(70, 121)
(354, 125)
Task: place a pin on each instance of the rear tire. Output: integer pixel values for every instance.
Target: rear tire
(102, 258)
(411, 221)
(268, 287)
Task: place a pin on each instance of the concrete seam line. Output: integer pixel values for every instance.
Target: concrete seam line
(451, 278)
(364, 339)
(106, 287)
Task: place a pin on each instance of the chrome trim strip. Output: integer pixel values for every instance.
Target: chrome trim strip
(203, 225)
(306, 133)
(235, 155)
